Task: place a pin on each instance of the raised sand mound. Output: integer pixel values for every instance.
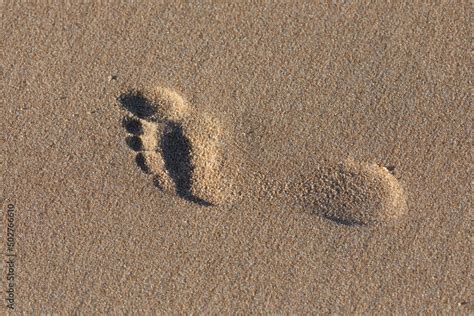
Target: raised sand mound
(355, 194)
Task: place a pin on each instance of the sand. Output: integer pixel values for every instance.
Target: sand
(239, 157)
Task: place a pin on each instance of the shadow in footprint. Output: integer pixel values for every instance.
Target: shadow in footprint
(132, 126)
(345, 222)
(137, 104)
(141, 163)
(177, 157)
(134, 142)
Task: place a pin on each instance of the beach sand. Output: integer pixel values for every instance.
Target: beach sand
(241, 158)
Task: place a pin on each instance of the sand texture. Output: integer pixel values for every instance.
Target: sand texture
(237, 157)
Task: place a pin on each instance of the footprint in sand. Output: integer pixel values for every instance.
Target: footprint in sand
(183, 150)
(180, 147)
(354, 193)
